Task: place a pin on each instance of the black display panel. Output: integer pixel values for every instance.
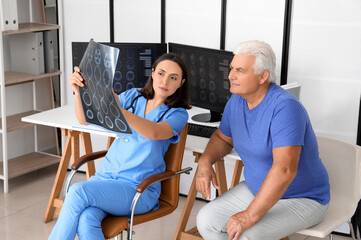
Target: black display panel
(208, 71)
(134, 62)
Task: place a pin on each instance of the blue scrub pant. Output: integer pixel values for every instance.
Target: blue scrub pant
(287, 216)
(88, 203)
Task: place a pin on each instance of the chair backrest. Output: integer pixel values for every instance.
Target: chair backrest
(342, 161)
(173, 160)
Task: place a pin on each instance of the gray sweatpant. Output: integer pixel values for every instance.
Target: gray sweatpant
(287, 216)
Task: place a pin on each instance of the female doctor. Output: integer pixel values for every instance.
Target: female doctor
(156, 114)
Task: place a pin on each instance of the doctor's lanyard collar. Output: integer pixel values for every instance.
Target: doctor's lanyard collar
(131, 107)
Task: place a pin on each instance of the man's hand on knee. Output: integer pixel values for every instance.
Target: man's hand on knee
(237, 224)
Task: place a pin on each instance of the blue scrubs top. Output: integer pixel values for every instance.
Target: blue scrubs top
(279, 120)
(133, 157)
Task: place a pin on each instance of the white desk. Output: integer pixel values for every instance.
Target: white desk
(64, 118)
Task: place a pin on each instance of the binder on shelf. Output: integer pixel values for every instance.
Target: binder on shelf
(27, 53)
(49, 51)
(14, 25)
(5, 24)
(10, 15)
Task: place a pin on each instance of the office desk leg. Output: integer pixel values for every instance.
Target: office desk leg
(60, 175)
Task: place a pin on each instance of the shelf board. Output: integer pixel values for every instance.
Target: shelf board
(31, 27)
(29, 163)
(14, 122)
(13, 78)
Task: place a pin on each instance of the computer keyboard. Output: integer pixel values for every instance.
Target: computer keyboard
(200, 130)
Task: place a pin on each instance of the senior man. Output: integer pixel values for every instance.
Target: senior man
(286, 185)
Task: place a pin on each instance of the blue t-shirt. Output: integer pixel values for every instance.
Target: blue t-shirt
(132, 158)
(279, 120)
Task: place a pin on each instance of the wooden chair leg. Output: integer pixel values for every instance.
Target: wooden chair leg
(221, 176)
(237, 173)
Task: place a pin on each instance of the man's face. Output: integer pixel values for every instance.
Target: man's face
(242, 76)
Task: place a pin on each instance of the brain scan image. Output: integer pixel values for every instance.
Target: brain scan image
(98, 101)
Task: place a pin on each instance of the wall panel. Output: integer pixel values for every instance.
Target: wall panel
(83, 20)
(258, 19)
(325, 53)
(196, 23)
(137, 21)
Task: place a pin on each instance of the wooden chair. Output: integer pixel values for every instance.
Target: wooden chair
(113, 226)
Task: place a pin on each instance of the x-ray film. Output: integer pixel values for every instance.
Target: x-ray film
(98, 101)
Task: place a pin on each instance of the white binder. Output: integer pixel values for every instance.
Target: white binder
(14, 25)
(10, 15)
(27, 53)
(49, 51)
(5, 8)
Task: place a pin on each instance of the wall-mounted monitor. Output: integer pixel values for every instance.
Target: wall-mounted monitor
(134, 62)
(208, 71)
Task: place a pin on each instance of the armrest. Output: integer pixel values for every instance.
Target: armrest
(80, 162)
(160, 177)
(87, 158)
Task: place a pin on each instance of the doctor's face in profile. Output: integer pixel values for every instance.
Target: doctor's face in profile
(167, 78)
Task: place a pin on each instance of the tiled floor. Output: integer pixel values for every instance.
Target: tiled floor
(22, 211)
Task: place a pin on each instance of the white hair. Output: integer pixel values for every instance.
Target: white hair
(265, 57)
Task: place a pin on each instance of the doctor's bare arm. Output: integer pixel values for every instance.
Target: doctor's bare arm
(75, 81)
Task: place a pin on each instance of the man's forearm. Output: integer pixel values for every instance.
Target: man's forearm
(217, 148)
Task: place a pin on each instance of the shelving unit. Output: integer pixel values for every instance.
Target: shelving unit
(13, 78)
(31, 27)
(19, 165)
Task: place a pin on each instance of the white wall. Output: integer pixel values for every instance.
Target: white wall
(194, 23)
(325, 56)
(137, 21)
(257, 19)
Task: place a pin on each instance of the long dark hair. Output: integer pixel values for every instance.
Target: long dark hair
(179, 98)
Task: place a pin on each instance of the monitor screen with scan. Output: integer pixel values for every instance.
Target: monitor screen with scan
(208, 71)
(134, 63)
